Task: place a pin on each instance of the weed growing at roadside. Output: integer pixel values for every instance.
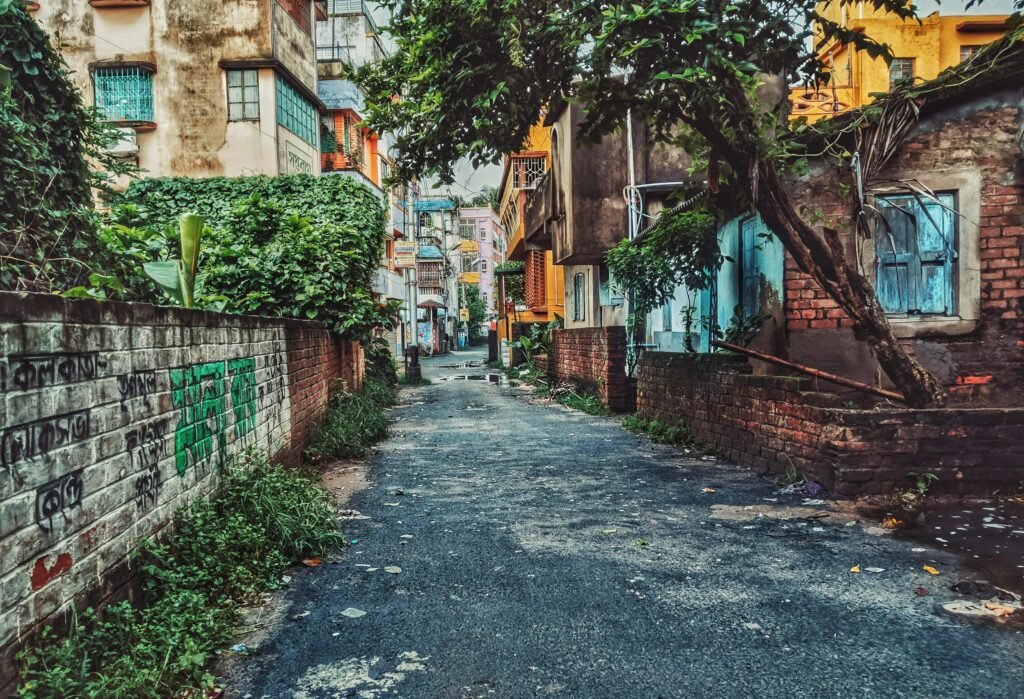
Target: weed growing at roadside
(354, 422)
(591, 405)
(220, 554)
(404, 381)
(660, 432)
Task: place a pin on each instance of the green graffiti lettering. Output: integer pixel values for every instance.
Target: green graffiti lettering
(243, 394)
(198, 392)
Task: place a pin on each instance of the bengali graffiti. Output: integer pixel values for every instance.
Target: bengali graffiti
(28, 441)
(32, 371)
(57, 497)
(147, 487)
(243, 394)
(198, 391)
(137, 384)
(146, 443)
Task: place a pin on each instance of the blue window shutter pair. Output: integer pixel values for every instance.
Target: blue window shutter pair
(915, 245)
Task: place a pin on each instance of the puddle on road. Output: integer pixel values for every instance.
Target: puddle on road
(464, 365)
(497, 379)
(989, 536)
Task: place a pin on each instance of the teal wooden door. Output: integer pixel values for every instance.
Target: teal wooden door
(749, 274)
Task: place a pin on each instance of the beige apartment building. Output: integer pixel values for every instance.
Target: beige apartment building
(224, 87)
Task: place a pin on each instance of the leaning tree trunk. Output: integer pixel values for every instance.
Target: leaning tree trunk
(822, 257)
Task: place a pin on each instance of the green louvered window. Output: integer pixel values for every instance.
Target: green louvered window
(124, 94)
(295, 113)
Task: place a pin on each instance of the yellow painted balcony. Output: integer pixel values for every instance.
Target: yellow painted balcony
(821, 102)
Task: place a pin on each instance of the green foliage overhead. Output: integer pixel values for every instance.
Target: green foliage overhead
(296, 246)
(681, 248)
(47, 139)
(514, 283)
(474, 76)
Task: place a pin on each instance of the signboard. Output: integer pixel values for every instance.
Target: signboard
(405, 254)
(464, 314)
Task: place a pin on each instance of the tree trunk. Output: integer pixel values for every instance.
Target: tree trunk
(823, 257)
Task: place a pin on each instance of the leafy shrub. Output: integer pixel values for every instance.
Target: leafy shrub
(220, 553)
(591, 405)
(296, 245)
(47, 140)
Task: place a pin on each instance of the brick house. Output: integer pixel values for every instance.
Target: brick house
(948, 268)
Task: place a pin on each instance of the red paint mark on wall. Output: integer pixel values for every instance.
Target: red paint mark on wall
(41, 575)
(973, 380)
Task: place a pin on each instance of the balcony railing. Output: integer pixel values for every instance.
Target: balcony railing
(338, 52)
(820, 102)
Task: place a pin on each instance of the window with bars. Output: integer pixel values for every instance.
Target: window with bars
(123, 94)
(579, 296)
(469, 264)
(466, 229)
(968, 51)
(428, 274)
(243, 95)
(900, 69)
(295, 113)
(528, 170)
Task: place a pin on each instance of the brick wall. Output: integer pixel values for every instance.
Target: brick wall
(114, 415)
(594, 359)
(772, 422)
(984, 365)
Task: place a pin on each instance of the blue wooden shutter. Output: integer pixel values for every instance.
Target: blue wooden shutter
(916, 251)
(936, 227)
(749, 274)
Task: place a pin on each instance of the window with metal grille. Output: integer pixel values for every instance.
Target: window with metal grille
(469, 264)
(916, 249)
(428, 274)
(243, 95)
(295, 113)
(900, 69)
(466, 229)
(528, 171)
(123, 94)
(968, 51)
(579, 290)
(301, 11)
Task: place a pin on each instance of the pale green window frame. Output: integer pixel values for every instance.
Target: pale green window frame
(243, 95)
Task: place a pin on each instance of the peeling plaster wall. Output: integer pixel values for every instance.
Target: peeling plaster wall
(186, 41)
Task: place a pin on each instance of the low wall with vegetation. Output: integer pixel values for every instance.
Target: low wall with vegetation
(595, 360)
(116, 414)
(779, 423)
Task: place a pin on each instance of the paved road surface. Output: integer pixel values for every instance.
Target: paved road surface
(551, 554)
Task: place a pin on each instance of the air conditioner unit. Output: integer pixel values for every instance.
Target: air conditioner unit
(126, 145)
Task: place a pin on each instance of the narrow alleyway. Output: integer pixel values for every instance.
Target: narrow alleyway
(544, 552)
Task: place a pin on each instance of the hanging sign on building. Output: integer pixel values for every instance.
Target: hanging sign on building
(405, 254)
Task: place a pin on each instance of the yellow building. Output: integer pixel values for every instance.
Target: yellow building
(542, 280)
(920, 50)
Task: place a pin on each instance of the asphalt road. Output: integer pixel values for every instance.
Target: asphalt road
(548, 553)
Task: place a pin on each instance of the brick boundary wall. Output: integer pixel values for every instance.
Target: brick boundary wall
(114, 415)
(594, 359)
(772, 422)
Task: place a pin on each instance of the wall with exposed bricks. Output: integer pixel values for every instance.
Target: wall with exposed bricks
(982, 362)
(595, 360)
(773, 422)
(114, 415)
